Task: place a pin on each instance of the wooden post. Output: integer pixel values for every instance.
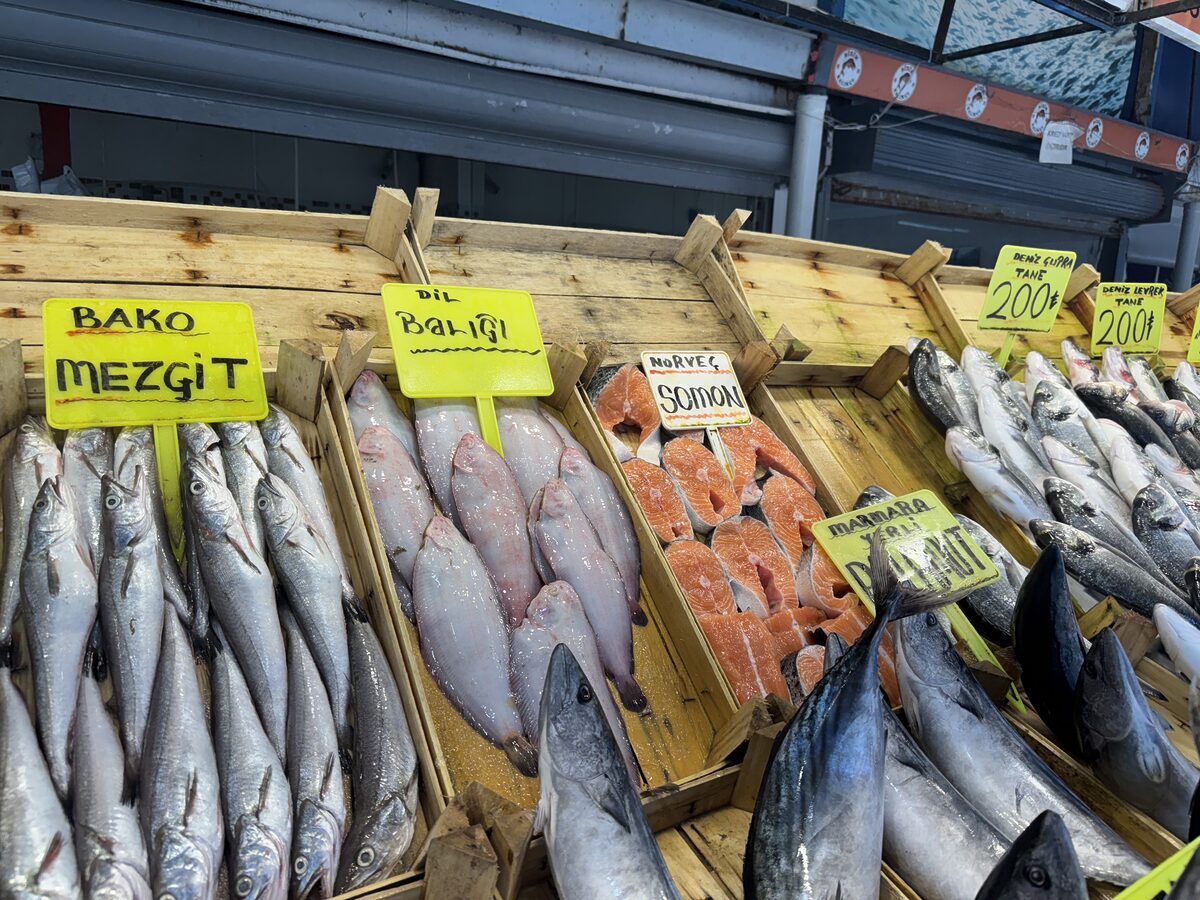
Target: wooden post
(945, 322)
(789, 348)
(424, 212)
(354, 349)
(925, 260)
(733, 224)
(892, 363)
(567, 363)
(597, 352)
(753, 363)
(754, 766)
(389, 216)
(298, 377)
(1076, 296)
(754, 715)
(699, 241)
(13, 400)
(1184, 305)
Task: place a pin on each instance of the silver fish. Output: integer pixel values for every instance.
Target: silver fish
(34, 458)
(1111, 401)
(385, 767)
(557, 608)
(928, 391)
(1166, 533)
(131, 607)
(529, 659)
(573, 550)
(1125, 744)
(243, 595)
(958, 386)
(1115, 368)
(1180, 639)
(568, 439)
(464, 640)
(493, 516)
(1004, 491)
(401, 500)
(597, 837)
(919, 801)
(598, 498)
(308, 571)
(1086, 475)
(531, 445)
(245, 457)
(254, 789)
(370, 404)
(1059, 413)
(1172, 416)
(1040, 863)
(1180, 476)
(1039, 369)
(440, 426)
(87, 458)
(313, 771)
(37, 859)
(1080, 368)
(1072, 507)
(1187, 378)
(1144, 378)
(993, 605)
(200, 441)
(180, 801)
(108, 835)
(58, 603)
(1009, 435)
(970, 742)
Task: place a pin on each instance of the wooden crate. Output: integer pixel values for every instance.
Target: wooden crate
(304, 387)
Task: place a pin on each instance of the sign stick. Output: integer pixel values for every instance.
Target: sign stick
(166, 453)
(1006, 349)
(718, 447)
(486, 408)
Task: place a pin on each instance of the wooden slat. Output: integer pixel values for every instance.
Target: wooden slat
(424, 211)
(925, 260)
(465, 235)
(388, 221)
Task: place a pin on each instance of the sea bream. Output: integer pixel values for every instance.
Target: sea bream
(131, 607)
(992, 606)
(1059, 413)
(245, 457)
(1108, 401)
(87, 456)
(464, 639)
(1005, 491)
(58, 605)
(597, 838)
(33, 459)
(970, 742)
(1124, 742)
(1166, 533)
(1010, 435)
(1172, 416)
(1040, 863)
(1039, 369)
(958, 386)
(628, 415)
(369, 403)
(494, 518)
(1180, 476)
(440, 425)
(1085, 474)
(179, 791)
(37, 857)
(981, 371)
(1147, 383)
(927, 389)
(385, 767)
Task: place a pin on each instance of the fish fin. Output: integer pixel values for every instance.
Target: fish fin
(193, 792)
(896, 599)
(631, 694)
(237, 545)
(52, 579)
(129, 789)
(353, 607)
(835, 648)
(540, 816)
(608, 796)
(1150, 761)
(522, 755)
(639, 615)
(127, 576)
(53, 850)
(346, 759)
(95, 663)
(331, 767)
(105, 841)
(264, 788)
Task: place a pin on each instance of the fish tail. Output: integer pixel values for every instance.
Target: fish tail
(353, 607)
(639, 615)
(7, 654)
(896, 599)
(630, 693)
(522, 755)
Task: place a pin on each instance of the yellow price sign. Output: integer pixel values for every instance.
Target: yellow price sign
(1160, 881)
(1130, 316)
(454, 341)
(1193, 355)
(151, 362)
(1026, 289)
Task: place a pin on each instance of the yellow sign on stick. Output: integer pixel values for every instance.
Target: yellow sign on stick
(1129, 316)
(150, 362)
(467, 342)
(1026, 289)
(1160, 881)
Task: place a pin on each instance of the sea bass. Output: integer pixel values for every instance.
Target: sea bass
(245, 457)
(385, 767)
(58, 603)
(993, 606)
(1147, 383)
(1008, 432)
(1108, 401)
(370, 404)
(87, 456)
(440, 425)
(928, 392)
(597, 837)
(1059, 413)
(1039, 369)
(1166, 532)
(1086, 475)
(1040, 863)
(464, 639)
(1115, 368)
(1125, 744)
(531, 445)
(1005, 491)
(1080, 368)
(1072, 507)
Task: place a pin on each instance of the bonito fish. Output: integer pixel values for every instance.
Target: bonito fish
(1040, 863)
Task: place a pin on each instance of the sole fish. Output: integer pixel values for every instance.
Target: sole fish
(660, 501)
(245, 457)
(753, 447)
(821, 585)
(370, 403)
(58, 604)
(597, 837)
(385, 767)
(708, 494)
(87, 457)
(747, 653)
(464, 639)
(1041, 862)
(626, 409)
(568, 439)
(701, 577)
(532, 447)
(440, 425)
(495, 519)
(601, 503)
(759, 572)
(790, 511)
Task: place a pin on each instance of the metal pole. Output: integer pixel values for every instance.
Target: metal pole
(807, 146)
(1189, 244)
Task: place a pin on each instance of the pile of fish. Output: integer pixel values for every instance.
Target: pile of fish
(741, 546)
(499, 559)
(1102, 464)
(141, 795)
(850, 785)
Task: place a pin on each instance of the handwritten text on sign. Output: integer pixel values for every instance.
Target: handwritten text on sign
(695, 390)
(927, 545)
(1026, 289)
(1129, 316)
(145, 362)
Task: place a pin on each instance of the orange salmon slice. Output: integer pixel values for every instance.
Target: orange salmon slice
(810, 667)
(708, 494)
(745, 651)
(794, 628)
(660, 501)
(703, 580)
(627, 412)
(790, 511)
(819, 583)
(754, 445)
(759, 572)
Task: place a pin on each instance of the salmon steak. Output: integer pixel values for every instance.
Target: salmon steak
(708, 494)
(794, 628)
(790, 510)
(810, 667)
(701, 577)
(660, 501)
(745, 651)
(759, 572)
(754, 446)
(821, 585)
(627, 412)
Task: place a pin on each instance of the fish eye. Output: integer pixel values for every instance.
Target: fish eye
(584, 695)
(930, 619)
(112, 501)
(166, 897)
(1090, 667)
(196, 487)
(244, 885)
(300, 866)
(41, 504)
(261, 503)
(366, 856)
(1036, 875)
